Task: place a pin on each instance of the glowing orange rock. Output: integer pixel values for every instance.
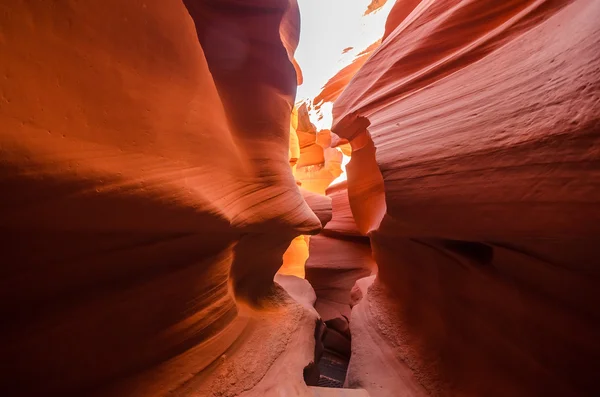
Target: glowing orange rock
(140, 178)
(375, 5)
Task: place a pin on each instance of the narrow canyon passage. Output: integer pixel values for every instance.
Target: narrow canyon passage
(219, 198)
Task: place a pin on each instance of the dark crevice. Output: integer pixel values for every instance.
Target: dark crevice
(311, 372)
(477, 253)
(331, 360)
(346, 237)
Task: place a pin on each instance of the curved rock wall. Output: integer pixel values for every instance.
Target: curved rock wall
(315, 165)
(147, 199)
(481, 122)
(150, 191)
(339, 256)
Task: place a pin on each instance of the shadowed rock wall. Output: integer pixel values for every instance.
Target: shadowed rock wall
(147, 199)
(479, 128)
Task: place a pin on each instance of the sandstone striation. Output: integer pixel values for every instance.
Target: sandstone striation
(319, 164)
(479, 188)
(164, 197)
(342, 223)
(147, 199)
(339, 256)
(332, 269)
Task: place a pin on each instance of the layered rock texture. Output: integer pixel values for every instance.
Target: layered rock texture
(315, 165)
(475, 129)
(156, 174)
(339, 256)
(147, 199)
(319, 164)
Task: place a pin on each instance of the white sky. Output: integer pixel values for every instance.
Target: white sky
(329, 26)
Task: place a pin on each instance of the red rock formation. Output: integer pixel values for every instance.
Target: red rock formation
(342, 222)
(483, 125)
(398, 14)
(374, 6)
(318, 164)
(332, 268)
(143, 170)
(338, 258)
(150, 191)
(294, 258)
(309, 149)
(334, 264)
(335, 85)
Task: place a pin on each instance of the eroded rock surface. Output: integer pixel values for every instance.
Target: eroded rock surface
(143, 171)
(153, 184)
(315, 164)
(339, 256)
(319, 164)
(480, 126)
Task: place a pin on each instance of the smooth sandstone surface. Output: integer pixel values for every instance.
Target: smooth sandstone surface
(147, 199)
(342, 221)
(319, 164)
(480, 126)
(334, 265)
(315, 164)
(153, 185)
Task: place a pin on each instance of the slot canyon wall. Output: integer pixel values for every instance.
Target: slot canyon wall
(339, 256)
(147, 199)
(154, 186)
(315, 165)
(475, 129)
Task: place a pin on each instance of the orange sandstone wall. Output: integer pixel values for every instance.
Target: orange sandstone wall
(480, 126)
(147, 199)
(339, 256)
(315, 164)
